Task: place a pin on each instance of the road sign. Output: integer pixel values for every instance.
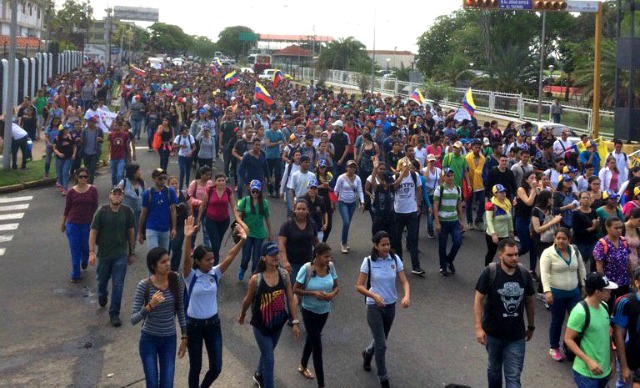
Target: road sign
(515, 4)
(247, 36)
(582, 6)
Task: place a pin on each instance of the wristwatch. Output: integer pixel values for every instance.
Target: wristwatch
(531, 328)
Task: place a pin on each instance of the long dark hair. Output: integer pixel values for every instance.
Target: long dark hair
(153, 257)
(376, 239)
(524, 184)
(130, 173)
(199, 253)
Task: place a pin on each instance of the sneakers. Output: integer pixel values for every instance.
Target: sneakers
(344, 248)
(241, 274)
(430, 235)
(115, 321)
(452, 268)
(102, 300)
(84, 266)
(478, 225)
(534, 276)
(556, 355)
(366, 361)
(470, 226)
(257, 378)
(418, 271)
(385, 383)
(444, 272)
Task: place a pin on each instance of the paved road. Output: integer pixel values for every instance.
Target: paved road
(54, 334)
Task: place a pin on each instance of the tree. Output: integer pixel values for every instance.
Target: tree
(203, 47)
(230, 44)
(345, 54)
(169, 39)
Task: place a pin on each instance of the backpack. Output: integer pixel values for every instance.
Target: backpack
(189, 290)
(605, 246)
(284, 275)
(442, 191)
(569, 355)
(493, 270)
(164, 189)
(309, 272)
(368, 258)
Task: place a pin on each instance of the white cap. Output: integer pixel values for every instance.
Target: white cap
(338, 123)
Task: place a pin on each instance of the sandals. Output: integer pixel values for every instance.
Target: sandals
(305, 372)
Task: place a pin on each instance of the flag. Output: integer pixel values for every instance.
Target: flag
(230, 78)
(461, 114)
(262, 94)
(217, 63)
(603, 151)
(214, 70)
(417, 97)
(137, 71)
(277, 78)
(468, 104)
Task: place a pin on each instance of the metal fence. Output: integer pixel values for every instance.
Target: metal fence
(510, 105)
(31, 73)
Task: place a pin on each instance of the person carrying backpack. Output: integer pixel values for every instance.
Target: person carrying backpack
(158, 216)
(611, 254)
(201, 304)
(627, 334)
(447, 219)
(377, 282)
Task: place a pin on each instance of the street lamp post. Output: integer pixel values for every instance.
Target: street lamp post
(542, 38)
(8, 114)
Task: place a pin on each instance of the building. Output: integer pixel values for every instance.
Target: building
(392, 59)
(270, 42)
(292, 55)
(30, 19)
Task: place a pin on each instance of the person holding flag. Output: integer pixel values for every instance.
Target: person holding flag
(417, 97)
(277, 78)
(262, 94)
(230, 78)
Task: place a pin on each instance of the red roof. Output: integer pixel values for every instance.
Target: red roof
(296, 38)
(21, 41)
(292, 51)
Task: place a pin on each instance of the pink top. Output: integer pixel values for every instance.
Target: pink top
(626, 209)
(437, 152)
(196, 192)
(613, 184)
(218, 207)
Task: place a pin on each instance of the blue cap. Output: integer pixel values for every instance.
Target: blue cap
(269, 249)
(312, 183)
(202, 111)
(255, 185)
(498, 189)
(610, 194)
(322, 163)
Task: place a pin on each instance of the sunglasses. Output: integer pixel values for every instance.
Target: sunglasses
(83, 176)
(162, 177)
(255, 192)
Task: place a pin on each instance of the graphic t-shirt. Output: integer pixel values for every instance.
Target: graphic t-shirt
(118, 142)
(269, 312)
(405, 195)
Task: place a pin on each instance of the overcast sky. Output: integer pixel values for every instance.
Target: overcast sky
(398, 23)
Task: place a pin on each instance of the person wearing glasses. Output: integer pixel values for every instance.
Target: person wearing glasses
(158, 217)
(81, 205)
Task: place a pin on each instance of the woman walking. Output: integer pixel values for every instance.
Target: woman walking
(207, 147)
(296, 239)
(203, 323)
(611, 254)
(610, 176)
(543, 223)
(317, 285)
(526, 197)
(183, 211)
(186, 147)
(585, 229)
(499, 221)
(324, 178)
(81, 205)
(377, 282)
(158, 299)
(165, 132)
(268, 295)
(254, 212)
(349, 191)
(562, 272)
(196, 192)
(133, 186)
(65, 150)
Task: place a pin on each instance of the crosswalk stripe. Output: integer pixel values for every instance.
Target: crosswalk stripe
(2, 251)
(8, 227)
(6, 238)
(16, 199)
(22, 206)
(11, 216)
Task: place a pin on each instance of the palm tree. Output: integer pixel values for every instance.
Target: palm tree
(343, 54)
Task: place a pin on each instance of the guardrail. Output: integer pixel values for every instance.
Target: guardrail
(488, 102)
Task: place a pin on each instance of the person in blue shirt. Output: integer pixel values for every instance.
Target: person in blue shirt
(317, 285)
(158, 217)
(377, 282)
(201, 279)
(590, 155)
(50, 135)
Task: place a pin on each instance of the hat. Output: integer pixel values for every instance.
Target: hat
(202, 111)
(564, 178)
(322, 163)
(292, 137)
(388, 177)
(457, 145)
(116, 188)
(312, 183)
(351, 163)
(431, 158)
(306, 158)
(498, 189)
(569, 169)
(636, 191)
(597, 281)
(592, 143)
(447, 170)
(610, 194)
(157, 172)
(338, 123)
(269, 249)
(255, 185)
(486, 141)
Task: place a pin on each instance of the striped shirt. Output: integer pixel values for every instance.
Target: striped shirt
(448, 205)
(161, 320)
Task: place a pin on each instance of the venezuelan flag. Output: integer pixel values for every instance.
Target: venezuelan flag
(230, 78)
(468, 104)
(262, 94)
(417, 97)
(214, 70)
(218, 63)
(277, 78)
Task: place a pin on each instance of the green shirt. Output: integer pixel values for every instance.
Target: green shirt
(253, 219)
(40, 103)
(463, 133)
(448, 204)
(113, 231)
(458, 164)
(595, 341)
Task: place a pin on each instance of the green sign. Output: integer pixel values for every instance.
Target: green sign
(247, 37)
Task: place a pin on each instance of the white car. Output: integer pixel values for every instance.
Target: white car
(267, 74)
(246, 70)
(557, 130)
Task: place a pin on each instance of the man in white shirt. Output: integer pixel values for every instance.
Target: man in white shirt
(622, 161)
(19, 137)
(563, 147)
(93, 112)
(300, 179)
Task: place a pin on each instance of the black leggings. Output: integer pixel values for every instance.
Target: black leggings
(314, 323)
(325, 236)
(491, 249)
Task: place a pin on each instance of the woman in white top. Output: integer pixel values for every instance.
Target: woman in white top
(432, 179)
(186, 146)
(349, 191)
(610, 176)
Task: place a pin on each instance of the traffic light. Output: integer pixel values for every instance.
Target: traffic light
(481, 4)
(549, 5)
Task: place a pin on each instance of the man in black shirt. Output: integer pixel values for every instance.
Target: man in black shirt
(340, 141)
(502, 293)
(501, 175)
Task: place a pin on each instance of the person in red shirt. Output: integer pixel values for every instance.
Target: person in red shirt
(118, 141)
(351, 131)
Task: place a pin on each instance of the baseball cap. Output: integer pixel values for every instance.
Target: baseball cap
(255, 185)
(593, 143)
(431, 158)
(447, 170)
(157, 172)
(322, 163)
(457, 145)
(498, 189)
(312, 183)
(352, 163)
(564, 178)
(116, 188)
(292, 137)
(636, 191)
(269, 249)
(338, 123)
(388, 177)
(486, 141)
(610, 194)
(597, 281)
(569, 169)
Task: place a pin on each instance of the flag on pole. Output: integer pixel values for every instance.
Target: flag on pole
(230, 78)
(468, 104)
(262, 94)
(277, 78)
(417, 97)
(137, 71)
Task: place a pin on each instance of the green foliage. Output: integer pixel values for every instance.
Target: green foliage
(436, 91)
(169, 39)
(203, 47)
(229, 42)
(345, 54)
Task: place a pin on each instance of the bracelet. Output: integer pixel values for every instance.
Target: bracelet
(295, 322)
(184, 337)
(531, 328)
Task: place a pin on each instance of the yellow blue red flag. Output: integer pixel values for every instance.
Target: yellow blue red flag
(262, 94)
(230, 78)
(417, 97)
(468, 104)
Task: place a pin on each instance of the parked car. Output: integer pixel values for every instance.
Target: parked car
(557, 130)
(267, 74)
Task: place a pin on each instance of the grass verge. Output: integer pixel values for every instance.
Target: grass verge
(33, 172)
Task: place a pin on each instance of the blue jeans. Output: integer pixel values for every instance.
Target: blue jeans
(380, 320)
(508, 355)
(90, 162)
(185, 164)
(116, 270)
(430, 216)
(158, 239)
(209, 332)
(154, 350)
(63, 167)
(117, 171)
(589, 382)
(48, 154)
(449, 228)
(251, 251)
(526, 243)
(176, 249)
(275, 174)
(216, 231)
(267, 345)
(136, 125)
(346, 212)
(289, 200)
(558, 308)
(478, 198)
(78, 236)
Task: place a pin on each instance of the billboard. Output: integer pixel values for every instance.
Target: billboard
(136, 13)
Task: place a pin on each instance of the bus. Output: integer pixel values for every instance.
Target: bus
(259, 62)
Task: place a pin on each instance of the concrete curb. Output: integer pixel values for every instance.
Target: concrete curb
(27, 185)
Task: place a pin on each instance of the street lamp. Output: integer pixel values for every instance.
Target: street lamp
(388, 60)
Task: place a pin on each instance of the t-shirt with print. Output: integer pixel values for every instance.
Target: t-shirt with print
(615, 262)
(405, 195)
(118, 144)
(447, 199)
(383, 277)
(269, 311)
(503, 311)
(158, 205)
(317, 283)
(596, 342)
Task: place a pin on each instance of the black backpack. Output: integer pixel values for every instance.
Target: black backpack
(569, 355)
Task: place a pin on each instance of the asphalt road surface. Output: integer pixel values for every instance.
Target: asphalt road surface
(54, 334)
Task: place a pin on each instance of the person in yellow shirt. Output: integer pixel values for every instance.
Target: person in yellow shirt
(475, 163)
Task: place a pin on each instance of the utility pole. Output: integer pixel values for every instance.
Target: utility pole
(108, 37)
(373, 61)
(542, 54)
(595, 122)
(8, 115)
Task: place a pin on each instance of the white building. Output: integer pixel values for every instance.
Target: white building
(392, 59)
(30, 19)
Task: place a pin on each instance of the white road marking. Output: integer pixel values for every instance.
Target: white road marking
(6, 238)
(22, 206)
(16, 199)
(2, 251)
(8, 227)
(11, 216)
(142, 148)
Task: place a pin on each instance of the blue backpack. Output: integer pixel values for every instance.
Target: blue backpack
(187, 294)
